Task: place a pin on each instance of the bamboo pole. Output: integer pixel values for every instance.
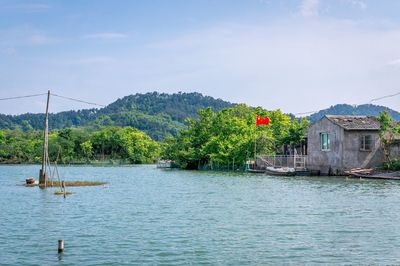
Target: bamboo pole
(43, 171)
(64, 188)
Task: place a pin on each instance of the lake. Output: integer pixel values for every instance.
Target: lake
(148, 216)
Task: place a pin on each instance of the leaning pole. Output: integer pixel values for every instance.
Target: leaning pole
(43, 172)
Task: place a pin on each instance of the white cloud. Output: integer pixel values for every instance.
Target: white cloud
(106, 36)
(30, 7)
(293, 65)
(394, 63)
(94, 60)
(309, 8)
(25, 36)
(358, 3)
(8, 51)
(40, 39)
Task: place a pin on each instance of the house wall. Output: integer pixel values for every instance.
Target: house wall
(395, 150)
(354, 157)
(322, 161)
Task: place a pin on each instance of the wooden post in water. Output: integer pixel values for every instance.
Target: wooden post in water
(63, 188)
(60, 246)
(43, 172)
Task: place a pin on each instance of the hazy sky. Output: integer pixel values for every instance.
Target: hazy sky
(294, 55)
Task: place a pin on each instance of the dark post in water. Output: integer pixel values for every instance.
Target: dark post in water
(60, 246)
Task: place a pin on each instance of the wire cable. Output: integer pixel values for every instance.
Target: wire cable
(102, 105)
(371, 101)
(76, 100)
(384, 97)
(20, 97)
(306, 113)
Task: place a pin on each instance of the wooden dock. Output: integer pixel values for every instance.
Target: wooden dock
(372, 174)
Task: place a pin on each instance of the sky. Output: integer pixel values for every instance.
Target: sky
(295, 55)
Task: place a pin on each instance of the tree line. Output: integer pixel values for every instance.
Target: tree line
(221, 139)
(79, 145)
(160, 115)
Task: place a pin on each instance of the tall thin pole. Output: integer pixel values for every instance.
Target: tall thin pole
(255, 145)
(43, 171)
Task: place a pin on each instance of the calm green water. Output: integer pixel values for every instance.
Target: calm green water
(150, 216)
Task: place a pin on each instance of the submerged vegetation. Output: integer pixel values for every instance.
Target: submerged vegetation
(61, 193)
(76, 183)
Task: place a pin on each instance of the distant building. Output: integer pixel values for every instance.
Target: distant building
(340, 143)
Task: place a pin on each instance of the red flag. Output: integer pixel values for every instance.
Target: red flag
(262, 120)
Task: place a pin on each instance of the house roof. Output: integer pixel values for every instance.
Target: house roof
(352, 122)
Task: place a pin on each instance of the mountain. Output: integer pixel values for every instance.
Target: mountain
(346, 109)
(158, 114)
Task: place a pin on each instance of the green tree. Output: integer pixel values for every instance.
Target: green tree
(87, 149)
(225, 139)
(296, 133)
(74, 145)
(2, 137)
(387, 131)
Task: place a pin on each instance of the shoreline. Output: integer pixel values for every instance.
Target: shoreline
(74, 165)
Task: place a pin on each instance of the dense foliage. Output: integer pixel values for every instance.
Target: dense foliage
(216, 134)
(346, 109)
(158, 114)
(225, 139)
(79, 145)
(389, 130)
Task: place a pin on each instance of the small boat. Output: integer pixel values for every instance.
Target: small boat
(252, 168)
(280, 171)
(256, 171)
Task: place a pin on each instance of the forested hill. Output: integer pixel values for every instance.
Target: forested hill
(346, 109)
(157, 114)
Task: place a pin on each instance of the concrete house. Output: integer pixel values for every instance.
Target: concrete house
(340, 143)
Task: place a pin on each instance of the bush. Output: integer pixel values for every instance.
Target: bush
(393, 165)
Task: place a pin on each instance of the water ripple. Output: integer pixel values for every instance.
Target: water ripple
(149, 217)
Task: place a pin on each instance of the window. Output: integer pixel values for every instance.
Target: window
(366, 143)
(325, 142)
